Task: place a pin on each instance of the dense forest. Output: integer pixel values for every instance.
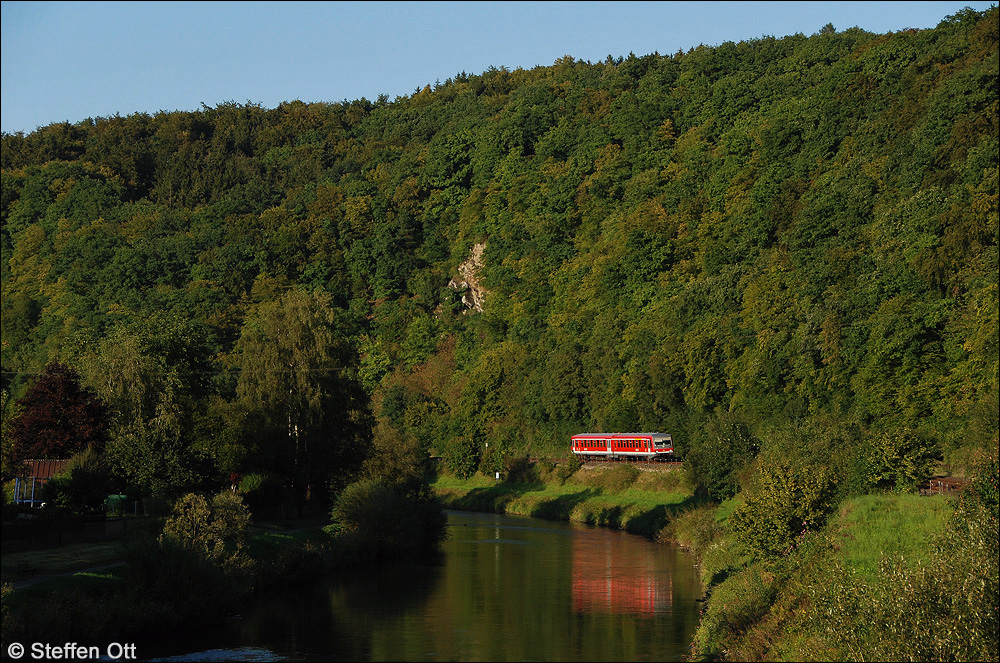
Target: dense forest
(773, 249)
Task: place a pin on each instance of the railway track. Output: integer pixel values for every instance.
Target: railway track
(599, 460)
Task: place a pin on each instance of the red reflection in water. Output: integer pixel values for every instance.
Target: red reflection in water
(610, 576)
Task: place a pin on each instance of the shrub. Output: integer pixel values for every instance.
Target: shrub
(387, 520)
(83, 485)
(260, 491)
(897, 460)
(545, 471)
(217, 531)
(670, 481)
(177, 581)
(946, 609)
(985, 489)
(565, 470)
(518, 469)
(12, 626)
(252, 482)
(787, 503)
(613, 479)
(736, 605)
(694, 529)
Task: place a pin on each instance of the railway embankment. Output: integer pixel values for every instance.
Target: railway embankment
(635, 498)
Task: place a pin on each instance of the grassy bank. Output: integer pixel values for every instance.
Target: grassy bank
(886, 579)
(640, 501)
(872, 527)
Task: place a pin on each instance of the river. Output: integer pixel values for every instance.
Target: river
(505, 589)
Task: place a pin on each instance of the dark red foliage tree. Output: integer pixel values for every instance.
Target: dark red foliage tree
(58, 417)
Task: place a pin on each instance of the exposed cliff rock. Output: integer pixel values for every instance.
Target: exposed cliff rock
(467, 282)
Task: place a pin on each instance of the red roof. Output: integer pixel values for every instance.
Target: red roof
(46, 468)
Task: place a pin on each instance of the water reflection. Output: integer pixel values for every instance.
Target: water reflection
(505, 589)
(246, 654)
(613, 575)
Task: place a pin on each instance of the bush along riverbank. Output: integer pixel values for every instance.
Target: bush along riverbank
(207, 560)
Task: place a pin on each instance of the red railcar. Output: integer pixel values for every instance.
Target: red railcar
(623, 445)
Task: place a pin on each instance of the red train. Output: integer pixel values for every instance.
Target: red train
(653, 446)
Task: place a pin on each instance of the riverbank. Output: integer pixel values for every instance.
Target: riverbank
(205, 564)
(138, 588)
(892, 576)
(628, 497)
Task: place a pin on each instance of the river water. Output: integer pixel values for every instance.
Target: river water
(505, 589)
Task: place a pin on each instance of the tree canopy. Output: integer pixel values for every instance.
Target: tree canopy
(778, 232)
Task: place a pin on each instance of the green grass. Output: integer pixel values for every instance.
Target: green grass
(871, 526)
(447, 482)
(764, 610)
(726, 508)
(609, 497)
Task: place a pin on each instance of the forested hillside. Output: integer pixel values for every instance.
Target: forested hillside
(784, 248)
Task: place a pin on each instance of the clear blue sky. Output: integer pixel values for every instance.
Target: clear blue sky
(67, 61)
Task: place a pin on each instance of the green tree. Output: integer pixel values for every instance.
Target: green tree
(898, 459)
(151, 372)
(298, 372)
(389, 520)
(717, 456)
(10, 467)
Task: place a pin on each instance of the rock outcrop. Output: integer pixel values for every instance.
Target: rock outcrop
(467, 282)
